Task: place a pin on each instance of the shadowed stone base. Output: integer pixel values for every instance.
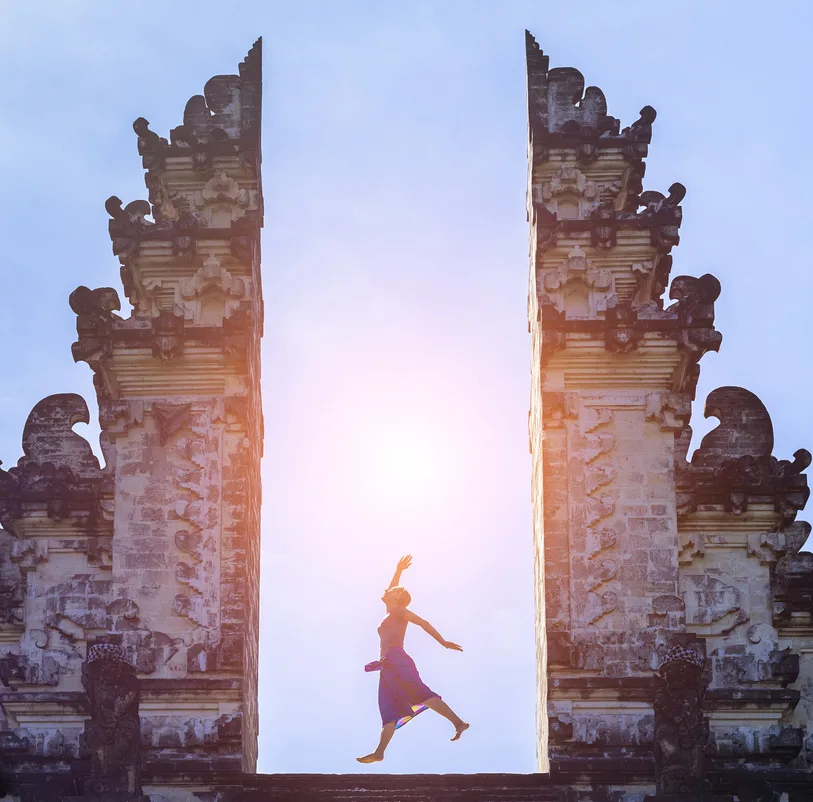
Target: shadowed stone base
(690, 798)
(105, 798)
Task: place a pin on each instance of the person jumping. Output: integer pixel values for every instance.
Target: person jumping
(401, 692)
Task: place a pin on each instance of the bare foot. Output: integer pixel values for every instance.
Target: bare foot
(373, 757)
(460, 729)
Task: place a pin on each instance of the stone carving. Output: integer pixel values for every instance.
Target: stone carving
(745, 428)
(577, 288)
(733, 465)
(213, 292)
(245, 232)
(222, 200)
(167, 330)
(671, 410)
(228, 108)
(655, 202)
(113, 733)
(694, 308)
(94, 323)
(134, 213)
(620, 334)
(569, 194)
(599, 540)
(48, 435)
(652, 280)
(117, 417)
(597, 476)
(557, 407)
(781, 478)
(58, 473)
(599, 605)
(681, 730)
(28, 554)
(12, 581)
(708, 599)
(603, 228)
(184, 240)
(151, 147)
(169, 418)
(792, 580)
(641, 129)
(571, 108)
(236, 328)
(127, 224)
(665, 215)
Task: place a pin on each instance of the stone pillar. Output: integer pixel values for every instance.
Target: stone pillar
(178, 385)
(614, 371)
(157, 551)
(112, 736)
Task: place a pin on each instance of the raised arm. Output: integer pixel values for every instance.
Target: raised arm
(403, 564)
(430, 630)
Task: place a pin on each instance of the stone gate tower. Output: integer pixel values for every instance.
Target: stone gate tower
(150, 562)
(643, 559)
(674, 610)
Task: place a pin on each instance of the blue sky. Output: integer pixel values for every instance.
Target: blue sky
(395, 269)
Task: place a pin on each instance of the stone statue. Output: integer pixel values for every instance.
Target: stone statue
(113, 734)
(681, 730)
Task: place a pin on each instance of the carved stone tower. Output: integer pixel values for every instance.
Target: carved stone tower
(637, 550)
(157, 552)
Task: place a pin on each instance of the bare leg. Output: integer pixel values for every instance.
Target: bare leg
(387, 731)
(439, 706)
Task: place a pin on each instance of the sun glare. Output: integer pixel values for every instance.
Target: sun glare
(404, 463)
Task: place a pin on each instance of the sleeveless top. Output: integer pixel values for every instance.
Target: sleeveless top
(391, 631)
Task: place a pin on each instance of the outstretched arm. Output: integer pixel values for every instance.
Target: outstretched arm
(430, 630)
(403, 564)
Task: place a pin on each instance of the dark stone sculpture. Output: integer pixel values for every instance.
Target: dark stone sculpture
(113, 734)
(94, 323)
(681, 729)
(745, 428)
(733, 465)
(167, 335)
(621, 336)
(641, 129)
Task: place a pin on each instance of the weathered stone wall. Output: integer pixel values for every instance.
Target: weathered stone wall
(157, 552)
(637, 550)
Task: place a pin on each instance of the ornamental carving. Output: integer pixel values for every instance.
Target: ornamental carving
(222, 200)
(694, 308)
(665, 215)
(228, 109)
(211, 294)
(151, 147)
(621, 335)
(671, 410)
(127, 224)
(734, 467)
(94, 323)
(681, 730)
(745, 428)
(570, 195)
(167, 331)
(112, 736)
(577, 288)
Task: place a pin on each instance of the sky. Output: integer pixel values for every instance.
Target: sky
(395, 258)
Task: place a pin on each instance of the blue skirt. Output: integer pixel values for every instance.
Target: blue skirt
(401, 691)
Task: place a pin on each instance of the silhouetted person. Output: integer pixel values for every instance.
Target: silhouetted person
(401, 692)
